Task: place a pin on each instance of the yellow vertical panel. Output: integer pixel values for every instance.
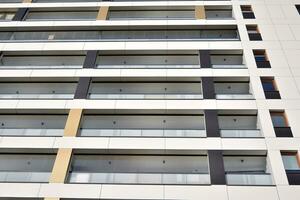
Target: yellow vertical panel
(61, 166)
(27, 1)
(199, 12)
(73, 122)
(103, 12)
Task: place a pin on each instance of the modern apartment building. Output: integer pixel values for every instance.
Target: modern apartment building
(149, 100)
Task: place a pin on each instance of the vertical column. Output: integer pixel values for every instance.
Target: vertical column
(103, 13)
(205, 60)
(20, 14)
(212, 123)
(200, 12)
(216, 167)
(208, 88)
(90, 59)
(73, 123)
(63, 157)
(27, 1)
(82, 88)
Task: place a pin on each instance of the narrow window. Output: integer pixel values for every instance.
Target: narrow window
(247, 12)
(280, 124)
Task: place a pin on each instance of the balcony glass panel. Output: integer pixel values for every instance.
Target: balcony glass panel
(145, 91)
(151, 14)
(6, 16)
(32, 125)
(143, 126)
(121, 35)
(25, 167)
(42, 62)
(232, 90)
(239, 126)
(249, 179)
(37, 90)
(218, 14)
(61, 15)
(148, 61)
(139, 169)
(241, 133)
(227, 61)
(247, 170)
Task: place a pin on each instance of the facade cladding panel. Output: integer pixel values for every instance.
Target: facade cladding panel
(149, 99)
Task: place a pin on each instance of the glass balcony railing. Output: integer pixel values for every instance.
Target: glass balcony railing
(146, 96)
(30, 132)
(40, 66)
(142, 132)
(249, 179)
(36, 96)
(150, 66)
(229, 66)
(122, 35)
(139, 178)
(151, 15)
(240, 133)
(32, 177)
(234, 96)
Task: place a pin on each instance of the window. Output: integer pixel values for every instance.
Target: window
(280, 124)
(279, 119)
(247, 12)
(298, 8)
(291, 162)
(270, 88)
(261, 59)
(253, 33)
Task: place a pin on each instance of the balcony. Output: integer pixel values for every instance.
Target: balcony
(173, 33)
(28, 168)
(145, 90)
(126, 169)
(218, 13)
(247, 170)
(61, 15)
(32, 60)
(151, 13)
(37, 90)
(236, 88)
(239, 124)
(227, 60)
(142, 126)
(34, 125)
(148, 60)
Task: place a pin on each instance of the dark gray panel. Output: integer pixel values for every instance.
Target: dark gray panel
(20, 14)
(205, 61)
(82, 88)
(90, 59)
(211, 123)
(208, 88)
(216, 167)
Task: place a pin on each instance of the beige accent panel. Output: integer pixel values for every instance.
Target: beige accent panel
(199, 12)
(61, 165)
(73, 122)
(103, 12)
(27, 1)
